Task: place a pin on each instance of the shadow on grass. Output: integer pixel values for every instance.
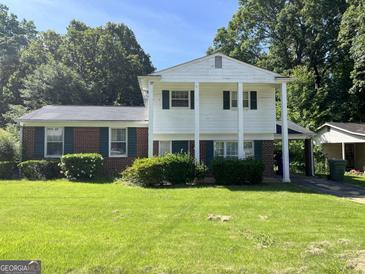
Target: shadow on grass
(265, 186)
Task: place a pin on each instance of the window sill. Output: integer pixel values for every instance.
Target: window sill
(118, 156)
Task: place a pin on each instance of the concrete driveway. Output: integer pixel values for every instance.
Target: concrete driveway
(340, 189)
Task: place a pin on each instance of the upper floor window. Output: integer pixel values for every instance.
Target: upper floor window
(218, 61)
(54, 141)
(118, 142)
(180, 98)
(246, 99)
(230, 149)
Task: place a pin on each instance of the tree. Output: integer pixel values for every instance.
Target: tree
(15, 35)
(54, 83)
(352, 36)
(297, 38)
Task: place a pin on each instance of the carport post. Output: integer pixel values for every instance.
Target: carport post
(308, 157)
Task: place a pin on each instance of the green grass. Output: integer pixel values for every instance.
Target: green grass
(355, 180)
(112, 228)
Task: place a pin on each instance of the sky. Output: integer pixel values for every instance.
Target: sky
(170, 31)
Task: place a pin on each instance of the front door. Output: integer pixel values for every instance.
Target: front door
(350, 155)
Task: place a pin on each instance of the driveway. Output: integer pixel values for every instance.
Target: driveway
(340, 189)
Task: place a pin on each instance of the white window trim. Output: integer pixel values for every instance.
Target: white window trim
(225, 147)
(126, 143)
(189, 101)
(159, 147)
(45, 143)
(249, 100)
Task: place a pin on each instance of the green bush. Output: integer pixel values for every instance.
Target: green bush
(8, 169)
(40, 169)
(9, 149)
(172, 168)
(82, 166)
(236, 171)
(145, 172)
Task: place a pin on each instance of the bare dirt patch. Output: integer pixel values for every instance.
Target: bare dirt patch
(358, 263)
(222, 218)
(317, 248)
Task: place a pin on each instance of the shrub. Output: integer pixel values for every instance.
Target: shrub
(40, 169)
(173, 168)
(7, 169)
(82, 166)
(145, 172)
(8, 147)
(236, 171)
(180, 168)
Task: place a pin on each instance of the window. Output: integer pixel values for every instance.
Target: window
(246, 101)
(219, 149)
(164, 147)
(180, 98)
(230, 149)
(248, 147)
(218, 62)
(54, 142)
(118, 142)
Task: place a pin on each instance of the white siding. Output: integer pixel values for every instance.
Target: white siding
(213, 118)
(204, 70)
(337, 136)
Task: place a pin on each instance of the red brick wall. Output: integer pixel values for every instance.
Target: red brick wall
(87, 140)
(28, 142)
(142, 142)
(268, 157)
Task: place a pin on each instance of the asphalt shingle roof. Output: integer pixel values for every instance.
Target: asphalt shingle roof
(356, 128)
(87, 113)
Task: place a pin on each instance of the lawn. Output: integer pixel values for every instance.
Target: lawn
(355, 180)
(112, 228)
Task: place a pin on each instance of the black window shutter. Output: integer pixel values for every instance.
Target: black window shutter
(104, 141)
(253, 96)
(258, 149)
(165, 99)
(192, 102)
(68, 146)
(39, 142)
(226, 100)
(132, 142)
(209, 153)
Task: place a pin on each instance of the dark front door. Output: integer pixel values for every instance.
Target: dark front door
(350, 155)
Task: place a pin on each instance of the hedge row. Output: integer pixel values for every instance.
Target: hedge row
(171, 168)
(237, 171)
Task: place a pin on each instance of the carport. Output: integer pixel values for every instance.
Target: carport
(297, 132)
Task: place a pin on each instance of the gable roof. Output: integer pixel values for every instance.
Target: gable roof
(86, 113)
(197, 60)
(353, 128)
(294, 128)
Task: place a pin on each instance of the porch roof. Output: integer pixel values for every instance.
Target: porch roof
(295, 131)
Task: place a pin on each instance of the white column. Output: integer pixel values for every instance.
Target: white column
(241, 151)
(343, 151)
(150, 119)
(284, 133)
(196, 122)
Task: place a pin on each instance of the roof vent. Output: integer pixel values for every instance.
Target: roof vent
(218, 61)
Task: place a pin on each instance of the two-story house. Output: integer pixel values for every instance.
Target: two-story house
(225, 106)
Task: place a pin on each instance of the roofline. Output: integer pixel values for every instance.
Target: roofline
(339, 128)
(213, 54)
(53, 120)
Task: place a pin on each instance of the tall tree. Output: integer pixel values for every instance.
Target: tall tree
(352, 36)
(284, 36)
(14, 36)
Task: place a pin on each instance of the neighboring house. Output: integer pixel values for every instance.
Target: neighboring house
(226, 106)
(343, 141)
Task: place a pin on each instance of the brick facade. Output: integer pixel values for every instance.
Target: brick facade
(268, 157)
(28, 143)
(86, 140)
